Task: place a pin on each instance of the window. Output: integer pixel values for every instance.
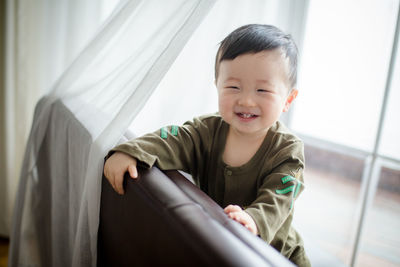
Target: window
(352, 188)
(343, 72)
(380, 243)
(390, 145)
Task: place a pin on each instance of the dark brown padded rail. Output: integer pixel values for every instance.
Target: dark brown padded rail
(165, 220)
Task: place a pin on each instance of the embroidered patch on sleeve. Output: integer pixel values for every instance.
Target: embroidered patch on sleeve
(174, 130)
(164, 133)
(292, 188)
(287, 179)
(297, 189)
(285, 190)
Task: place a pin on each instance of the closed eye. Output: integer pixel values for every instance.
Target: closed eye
(263, 91)
(233, 87)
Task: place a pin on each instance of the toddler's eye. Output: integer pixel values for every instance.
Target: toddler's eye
(262, 90)
(233, 87)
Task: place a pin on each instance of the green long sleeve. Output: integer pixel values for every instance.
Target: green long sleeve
(266, 186)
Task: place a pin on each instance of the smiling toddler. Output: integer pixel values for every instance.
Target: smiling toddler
(243, 157)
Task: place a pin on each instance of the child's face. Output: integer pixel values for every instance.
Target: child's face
(253, 91)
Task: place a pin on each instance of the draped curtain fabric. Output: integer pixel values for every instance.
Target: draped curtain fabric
(111, 79)
(90, 107)
(43, 37)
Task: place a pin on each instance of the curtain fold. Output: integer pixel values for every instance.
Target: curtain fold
(42, 38)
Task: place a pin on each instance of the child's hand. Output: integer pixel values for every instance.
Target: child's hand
(115, 168)
(236, 213)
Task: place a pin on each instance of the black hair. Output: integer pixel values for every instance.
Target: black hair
(254, 38)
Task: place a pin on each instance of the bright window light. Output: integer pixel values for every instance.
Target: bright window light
(347, 49)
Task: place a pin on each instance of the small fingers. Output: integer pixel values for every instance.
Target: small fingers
(232, 208)
(133, 171)
(110, 178)
(113, 184)
(236, 213)
(244, 220)
(118, 184)
(237, 216)
(111, 181)
(108, 175)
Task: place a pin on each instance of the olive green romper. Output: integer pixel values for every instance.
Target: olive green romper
(266, 186)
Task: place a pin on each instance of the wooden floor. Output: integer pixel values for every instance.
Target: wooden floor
(3, 251)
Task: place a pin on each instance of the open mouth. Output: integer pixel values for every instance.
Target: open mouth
(246, 115)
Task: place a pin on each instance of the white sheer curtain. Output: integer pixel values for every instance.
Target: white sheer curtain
(43, 37)
(106, 86)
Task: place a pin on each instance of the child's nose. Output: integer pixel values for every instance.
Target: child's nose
(246, 99)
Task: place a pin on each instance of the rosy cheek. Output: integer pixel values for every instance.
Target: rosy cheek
(222, 107)
(223, 101)
(225, 107)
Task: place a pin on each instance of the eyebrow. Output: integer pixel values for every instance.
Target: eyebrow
(238, 80)
(232, 79)
(263, 81)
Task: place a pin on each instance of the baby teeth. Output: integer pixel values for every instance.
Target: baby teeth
(246, 115)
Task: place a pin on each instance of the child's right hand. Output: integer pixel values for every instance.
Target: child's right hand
(115, 168)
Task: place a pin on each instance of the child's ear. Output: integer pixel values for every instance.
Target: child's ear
(289, 99)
